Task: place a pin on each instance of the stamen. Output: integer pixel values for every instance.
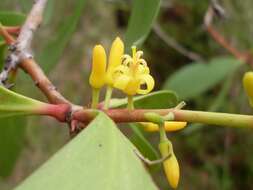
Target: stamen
(142, 62)
(139, 54)
(127, 62)
(133, 51)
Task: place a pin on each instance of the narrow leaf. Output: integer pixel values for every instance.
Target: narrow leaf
(11, 18)
(51, 54)
(11, 143)
(194, 79)
(143, 14)
(12, 104)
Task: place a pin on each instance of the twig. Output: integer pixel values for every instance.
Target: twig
(138, 115)
(208, 19)
(20, 48)
(42, 82)
(74, 114)
(175, 45)
(6, 35)
(12, 29)
(33, 21)
(20, 54)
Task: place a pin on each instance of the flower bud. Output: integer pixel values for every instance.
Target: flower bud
(115, 56)
(248, 86)
(168, 126)
(98, 73)
(170, 165)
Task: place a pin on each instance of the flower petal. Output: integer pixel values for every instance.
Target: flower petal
(121, 82)
(98, 73)
(147, 80)
(116, 53)
(168, 126)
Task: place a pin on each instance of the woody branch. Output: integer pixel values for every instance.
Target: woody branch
(20, 57)
(216, 9)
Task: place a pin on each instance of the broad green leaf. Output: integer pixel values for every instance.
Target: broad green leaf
(155, 100)
(51, 54)
(194, 79)
(100, 157)
(11, 18)
(11, 142)
(143, 14)
(13, 104)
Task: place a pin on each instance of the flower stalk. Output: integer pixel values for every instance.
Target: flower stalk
(95, 97)
(130, 102)
(108, 96)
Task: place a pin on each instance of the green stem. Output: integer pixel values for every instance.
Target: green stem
(163, 136)
(214, 118)
(139, 115)
(108, 96)
(130, 102)
(95, 97)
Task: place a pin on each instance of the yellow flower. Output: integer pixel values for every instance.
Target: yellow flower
(170, 165)
(168, 126)
(132, 76)
(116, 53)
(248, 86)
(98, 73)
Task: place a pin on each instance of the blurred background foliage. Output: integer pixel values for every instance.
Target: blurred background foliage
(210, 157)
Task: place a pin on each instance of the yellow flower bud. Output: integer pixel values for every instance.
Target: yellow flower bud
(168, 126)
(98, 73)
(115, 56)
(170, 165)
(248, 86)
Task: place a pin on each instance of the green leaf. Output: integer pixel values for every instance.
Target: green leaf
(11, 18)
(155, 100)
(217, 103)
(2, 53)
(11, 143)
(13, 104)
(143, 14)
(51, 54)
(194, 79)
(49, 12)
(100, 157)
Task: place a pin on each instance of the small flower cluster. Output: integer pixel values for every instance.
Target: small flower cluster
(131, 75)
